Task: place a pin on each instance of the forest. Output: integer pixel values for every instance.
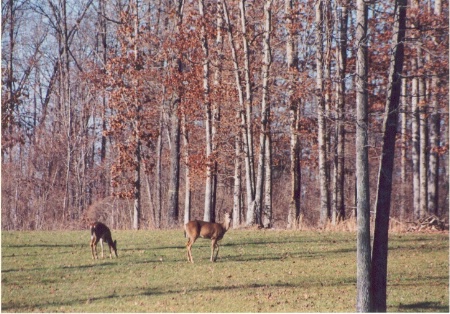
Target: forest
(148, 113)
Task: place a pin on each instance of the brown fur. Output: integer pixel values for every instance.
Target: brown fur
(100, 232)
(207, 230)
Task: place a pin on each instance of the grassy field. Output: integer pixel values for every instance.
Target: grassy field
(257, 271)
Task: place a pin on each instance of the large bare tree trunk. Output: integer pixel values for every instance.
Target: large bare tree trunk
(216, 113)
(174, 171)
(423, 140)
(294, 116)
(433, 175)
(104, 54)
(363, 299)
(209, 212)
(415, 142)
(404, 140)
(265, 121)
(187, 175)
(237, 188)
(247, 122)
(266, 213)
(320, 102)
(158, 179)
(137, 210)
(383, 202)
(338, 212)
(64, 65)
(8, 114)
(237, 196)
(433, 178)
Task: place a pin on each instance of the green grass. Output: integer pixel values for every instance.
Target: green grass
(257, 271)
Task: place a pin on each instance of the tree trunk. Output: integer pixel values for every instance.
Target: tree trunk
(137, 210)
(209, 211)
(237, 196)
(294, 116)
(174, 171)
(187, 175)
(267, 214)
(423, 144)
(415, 142)
(237, 188)
(320, 101)
(265, 121)
(104, 54)
(216, 113)
(435, 134)
(363, 299)
(248, 136)
(247, 122)
(338, 212)
(404, 141)
(433, 177)
(158, 179)
(423, 166)
(383, 203)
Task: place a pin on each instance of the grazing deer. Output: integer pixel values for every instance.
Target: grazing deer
(100, 232)
(207, 230)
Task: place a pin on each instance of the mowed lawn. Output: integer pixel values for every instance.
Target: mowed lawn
(257, 271)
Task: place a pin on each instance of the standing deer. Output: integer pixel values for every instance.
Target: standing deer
(207, 230)
(100, 232)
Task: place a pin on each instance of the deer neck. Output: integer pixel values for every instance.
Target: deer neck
(226, 224)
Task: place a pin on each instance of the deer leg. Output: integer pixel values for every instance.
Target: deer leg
(189, 249)
(101, 244)
(92, 247)
(213, 246)
(217, 252)
(94, 242)
(110, 253)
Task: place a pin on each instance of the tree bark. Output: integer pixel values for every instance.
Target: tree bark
(294, 116)
(237, 194)
(137, 210)
(320, 102)
(187, 175)
(267, 214)
(338, 212)
(363, 299)
(174, 171)
(435, 134)
(209, 211)
(415, 142)
(404, 141)
(383, 203)
(423, 127)
(247, 123)
(265, 122)
(158, 179)
(237, 188)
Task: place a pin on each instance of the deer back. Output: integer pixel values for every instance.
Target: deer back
(101, 231)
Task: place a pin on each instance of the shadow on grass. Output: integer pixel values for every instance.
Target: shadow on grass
(99, 264)
(43, 245)
(424, 307)
(37, 307)
(149, 292)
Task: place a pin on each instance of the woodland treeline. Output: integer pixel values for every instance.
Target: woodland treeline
(148, 113)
